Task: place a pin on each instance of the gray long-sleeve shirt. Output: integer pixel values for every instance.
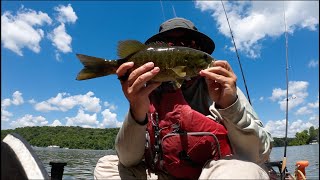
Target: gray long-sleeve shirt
(248, 138)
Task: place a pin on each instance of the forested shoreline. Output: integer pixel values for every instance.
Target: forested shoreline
(100, 139)
(301, 138)
(67, 136)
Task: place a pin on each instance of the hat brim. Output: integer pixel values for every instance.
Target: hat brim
(206, 44)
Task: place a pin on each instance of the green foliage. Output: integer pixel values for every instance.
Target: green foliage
(301, 138)
(67, 137)
(100, 139)
(313, 134)
(280, 142)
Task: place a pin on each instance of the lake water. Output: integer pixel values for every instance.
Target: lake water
(297, 153)
(81, 163)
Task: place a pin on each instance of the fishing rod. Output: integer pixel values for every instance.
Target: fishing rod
(300, 165)
(234, 44)
(284, 161)
(283, 165)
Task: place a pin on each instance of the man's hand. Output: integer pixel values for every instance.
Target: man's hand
(135, 88)
(221, 82)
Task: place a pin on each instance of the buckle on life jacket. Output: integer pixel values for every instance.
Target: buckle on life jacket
(157, 144)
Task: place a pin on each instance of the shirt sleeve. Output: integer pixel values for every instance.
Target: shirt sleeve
(130, 142)
(245, 130)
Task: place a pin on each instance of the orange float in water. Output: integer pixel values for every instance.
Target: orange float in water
(301, 166)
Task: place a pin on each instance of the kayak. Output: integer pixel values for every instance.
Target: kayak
(19, 161)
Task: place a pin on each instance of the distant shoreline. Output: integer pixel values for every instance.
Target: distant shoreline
(101, 139)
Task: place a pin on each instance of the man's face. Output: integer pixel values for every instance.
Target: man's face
(180, 38)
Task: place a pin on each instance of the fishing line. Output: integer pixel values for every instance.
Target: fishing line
(234, 44)
(174, 11)
(164, 18)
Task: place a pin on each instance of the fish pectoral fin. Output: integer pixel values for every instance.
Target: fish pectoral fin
(178, 83)
(128, 47)
(180, 71)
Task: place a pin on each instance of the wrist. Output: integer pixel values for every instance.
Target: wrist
(140, 121)
(226, 104)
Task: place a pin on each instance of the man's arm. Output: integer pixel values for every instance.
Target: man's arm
(130, 142)
(131, 137)
(248, 138)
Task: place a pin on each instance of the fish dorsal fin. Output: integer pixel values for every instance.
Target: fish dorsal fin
(180, 71)
(128, 47)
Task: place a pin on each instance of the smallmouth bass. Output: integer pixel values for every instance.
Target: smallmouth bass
(176, 63)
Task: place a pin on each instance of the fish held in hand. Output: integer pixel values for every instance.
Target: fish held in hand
(176, 63)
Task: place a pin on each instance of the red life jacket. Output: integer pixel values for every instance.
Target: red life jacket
(181, 140)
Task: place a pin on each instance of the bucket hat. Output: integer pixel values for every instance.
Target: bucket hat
(205, 43)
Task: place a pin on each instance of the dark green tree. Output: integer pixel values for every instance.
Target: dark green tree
(67, 137)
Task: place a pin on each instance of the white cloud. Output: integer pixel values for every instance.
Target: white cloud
(58, 56)
(83, 120)
(32, 101)
(59, 36)
(5, 115)
(109, 119)
(29, 120)
(61, 40)
(56, 123)
(314, 119)
(303, 110)
(17, 99)
(313, 64)
(299, 125)
(261, 98)
(251, 22)
(64, 102)
(22, 30)
(277, 93)
(66, 14)
(45, 107)
(5, 102)
(309, 108)
(277, 128)
(112, 107)
(315, 104)
(297, 92)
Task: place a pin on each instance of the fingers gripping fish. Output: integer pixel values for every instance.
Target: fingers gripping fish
(176, 63)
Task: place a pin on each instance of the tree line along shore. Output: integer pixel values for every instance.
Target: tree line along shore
(100, 139)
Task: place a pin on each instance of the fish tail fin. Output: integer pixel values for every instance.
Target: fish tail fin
(96, 67)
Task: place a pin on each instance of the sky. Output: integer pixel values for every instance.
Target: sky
(39, 40)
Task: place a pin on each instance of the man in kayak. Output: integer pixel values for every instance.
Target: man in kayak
(212, 95)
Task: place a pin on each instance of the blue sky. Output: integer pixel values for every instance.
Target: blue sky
(39, 41)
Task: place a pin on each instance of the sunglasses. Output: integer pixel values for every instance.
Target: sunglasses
(178, 41)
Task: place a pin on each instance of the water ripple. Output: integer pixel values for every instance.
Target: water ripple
(81, 163)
